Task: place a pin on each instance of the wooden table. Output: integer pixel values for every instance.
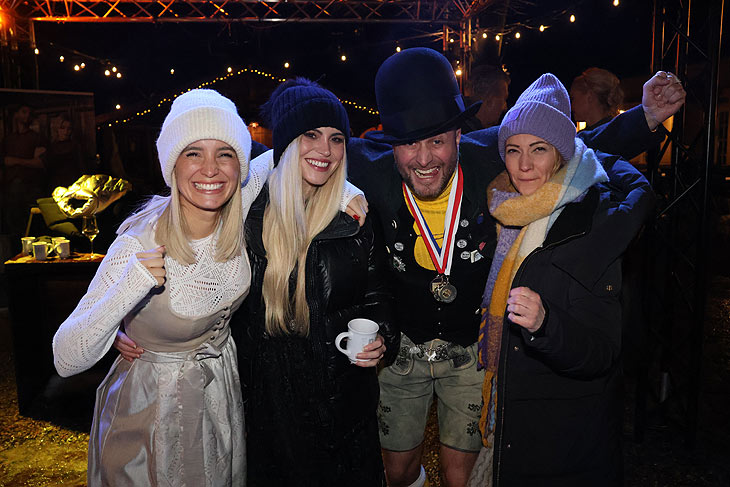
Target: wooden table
(41, 295)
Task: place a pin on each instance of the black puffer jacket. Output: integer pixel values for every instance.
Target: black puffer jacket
(559, 390)
(310, 414)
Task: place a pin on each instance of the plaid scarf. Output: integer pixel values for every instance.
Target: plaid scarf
(522, 225)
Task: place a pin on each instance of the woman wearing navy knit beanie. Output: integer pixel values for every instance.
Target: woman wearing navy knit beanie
(550, 335)
(311, 413)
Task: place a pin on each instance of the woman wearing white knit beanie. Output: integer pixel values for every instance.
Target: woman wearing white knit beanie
(172, 413)
(171, 279)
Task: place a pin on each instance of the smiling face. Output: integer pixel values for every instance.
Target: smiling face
(207, 174)
(320, 154)
(530, 162)
(426, 166)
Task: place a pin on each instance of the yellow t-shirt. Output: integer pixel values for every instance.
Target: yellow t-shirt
(434, 212)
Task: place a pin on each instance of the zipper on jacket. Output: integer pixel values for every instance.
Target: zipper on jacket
(500, 377)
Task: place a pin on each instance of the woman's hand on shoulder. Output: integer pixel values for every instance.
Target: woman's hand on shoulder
(525, 308)
(154, 262)
(372, 353)
(126, 347)
(357, 208)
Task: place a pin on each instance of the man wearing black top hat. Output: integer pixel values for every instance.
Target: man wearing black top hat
(426, 184)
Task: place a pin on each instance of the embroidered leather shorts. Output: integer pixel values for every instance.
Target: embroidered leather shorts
(436, 370)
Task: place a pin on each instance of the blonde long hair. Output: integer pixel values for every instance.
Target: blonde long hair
(172, 230)
(290, 225)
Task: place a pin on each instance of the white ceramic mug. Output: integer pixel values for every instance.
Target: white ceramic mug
(63, 247)
(27, 243)
(361, 331)
(41, 250)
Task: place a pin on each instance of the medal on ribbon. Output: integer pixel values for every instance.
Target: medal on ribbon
(442, 290)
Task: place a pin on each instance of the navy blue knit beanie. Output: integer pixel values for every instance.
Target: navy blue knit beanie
(298, 105)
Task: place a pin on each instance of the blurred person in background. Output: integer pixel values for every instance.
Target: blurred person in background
(596, 97)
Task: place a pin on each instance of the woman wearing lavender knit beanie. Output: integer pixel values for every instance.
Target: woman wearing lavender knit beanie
(550, 335)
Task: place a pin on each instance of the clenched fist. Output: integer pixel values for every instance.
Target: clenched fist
(154, 261)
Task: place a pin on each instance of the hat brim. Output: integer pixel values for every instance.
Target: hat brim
(455, 122)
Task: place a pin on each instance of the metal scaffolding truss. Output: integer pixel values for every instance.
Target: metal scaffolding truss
(410, 11)
(687, 39)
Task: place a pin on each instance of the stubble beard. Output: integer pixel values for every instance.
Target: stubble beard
(409, 176)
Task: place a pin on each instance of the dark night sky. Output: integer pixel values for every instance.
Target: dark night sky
(616, 38)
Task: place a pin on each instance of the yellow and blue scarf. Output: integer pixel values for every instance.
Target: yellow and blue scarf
(522, 225)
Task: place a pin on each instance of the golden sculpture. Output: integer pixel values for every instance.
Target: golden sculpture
(90, 194)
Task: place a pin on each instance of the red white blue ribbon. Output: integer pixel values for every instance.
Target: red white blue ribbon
(440, 256)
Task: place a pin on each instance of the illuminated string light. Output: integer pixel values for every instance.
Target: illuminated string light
(107, 72)
(36, 51)
(397, 48)
(458, 72)
(83, 65)
(542, 28)
(77, 67)
(230, 69)
(615, 3)
(343, 58)
(572, 18)
(286, 65)
(119, 75)
(114, 69)
(484, 35)
(165, 100)
(118, 106)
(61, 58)
(497, 37)
(518, 35)
(451, 40)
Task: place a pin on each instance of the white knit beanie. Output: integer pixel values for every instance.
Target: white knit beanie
(198, 115)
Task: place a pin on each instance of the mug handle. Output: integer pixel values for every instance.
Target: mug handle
(338, 340)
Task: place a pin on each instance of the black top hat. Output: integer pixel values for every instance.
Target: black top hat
(418, 97)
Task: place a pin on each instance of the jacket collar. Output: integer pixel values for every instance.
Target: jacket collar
(340, 227)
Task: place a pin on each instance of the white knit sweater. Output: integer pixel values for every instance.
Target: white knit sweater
(121, 282)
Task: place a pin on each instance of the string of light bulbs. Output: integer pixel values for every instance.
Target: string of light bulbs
(230, 73)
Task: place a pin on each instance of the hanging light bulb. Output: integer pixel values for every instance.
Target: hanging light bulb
(458, 72)
(572, 18)
(119, 75)
(542, 28)
(36, 51)
(286, 65)
(107, 72)
(484, 35)
(77, 67)
(518, 35)
(497, 37)
(397, 48)
(61, 58)
(118, 106)
(172, 70)
(343, 58)
(230, 69)
(615, 3)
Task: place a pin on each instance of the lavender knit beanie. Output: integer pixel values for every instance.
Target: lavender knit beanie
(543, 110)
